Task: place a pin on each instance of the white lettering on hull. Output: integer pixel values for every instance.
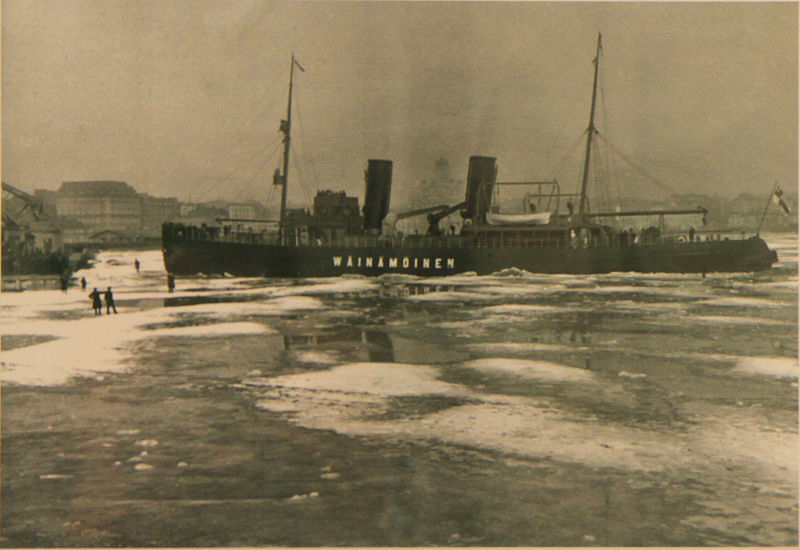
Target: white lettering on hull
(395, 262)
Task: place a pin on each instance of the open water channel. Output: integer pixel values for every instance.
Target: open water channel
(512, 409)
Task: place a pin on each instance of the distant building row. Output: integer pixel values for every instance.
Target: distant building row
(112, 206)
(98, 211)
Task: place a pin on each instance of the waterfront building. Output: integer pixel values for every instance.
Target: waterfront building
(114, 206)
(101, 204)
(242, 210)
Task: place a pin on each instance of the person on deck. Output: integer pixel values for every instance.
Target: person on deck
(109, 297)
(97, 304)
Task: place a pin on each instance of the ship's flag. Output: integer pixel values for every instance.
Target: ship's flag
(778, 198)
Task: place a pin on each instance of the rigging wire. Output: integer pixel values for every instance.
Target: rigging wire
(612, 184)
(635, 166)
(246, 184)
(553, 149)
(612, 180)
(310, 157)
(300, 178)
(565, 158)
(239, 130)
(354, 186)
(243, 188)
(270, 196)
(215, 181)
(599, 178)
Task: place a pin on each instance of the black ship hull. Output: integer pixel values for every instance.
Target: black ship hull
(334, 239)
(187, 257)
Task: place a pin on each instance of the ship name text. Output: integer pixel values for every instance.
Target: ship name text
(394, 262)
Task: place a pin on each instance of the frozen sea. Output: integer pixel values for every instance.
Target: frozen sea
(511, 409)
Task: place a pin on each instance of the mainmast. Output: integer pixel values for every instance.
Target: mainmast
(590, 131)
(286, 128)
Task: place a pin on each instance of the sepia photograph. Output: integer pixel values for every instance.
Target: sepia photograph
(399, 274)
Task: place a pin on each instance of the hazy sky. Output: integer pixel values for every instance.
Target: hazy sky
(183, 98)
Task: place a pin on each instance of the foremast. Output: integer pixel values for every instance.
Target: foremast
(286, 129)
(590, 131)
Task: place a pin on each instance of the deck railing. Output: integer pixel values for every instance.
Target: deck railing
(502, 240)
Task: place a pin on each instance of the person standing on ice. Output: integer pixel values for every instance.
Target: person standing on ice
(170, 282)
(109, 301)
(83, 283)
(136, 264)
(65, 277)
(97, 304)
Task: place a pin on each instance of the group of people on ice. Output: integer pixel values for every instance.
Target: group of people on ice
(98, 297)
(97, 304)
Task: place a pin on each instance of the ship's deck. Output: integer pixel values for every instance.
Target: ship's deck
(485, 237)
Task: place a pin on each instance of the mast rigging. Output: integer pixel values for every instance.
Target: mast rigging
(286, 128)
(590, 130)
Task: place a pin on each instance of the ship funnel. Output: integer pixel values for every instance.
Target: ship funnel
(378, 192)
(480, 177)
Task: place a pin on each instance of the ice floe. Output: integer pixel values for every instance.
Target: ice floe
(449, 296)
(537, 370)
(522, 347)
(740, 301)
(523, 308)
(732, 320)
(94, 344)
(352, 399)
(317, 357)
(330, 286)
(527, 289)
(778, 367)
(303, 496)
(217, 329)
(631, 375)
(380, 379)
